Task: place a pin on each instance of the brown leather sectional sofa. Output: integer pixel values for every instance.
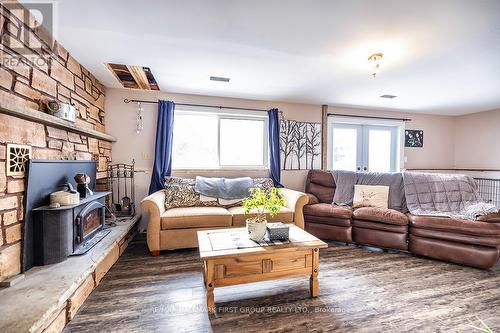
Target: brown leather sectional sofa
(472, 243)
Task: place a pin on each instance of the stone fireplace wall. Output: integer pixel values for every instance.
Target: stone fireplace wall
(34, 69)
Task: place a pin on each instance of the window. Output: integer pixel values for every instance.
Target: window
(241, 142)
(364, 145)
(195, 141)
(212, 140)
(345, 147)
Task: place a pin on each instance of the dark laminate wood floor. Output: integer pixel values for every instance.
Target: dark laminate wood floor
(359, 291)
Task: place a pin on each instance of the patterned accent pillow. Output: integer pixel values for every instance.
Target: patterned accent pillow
(179, 181)
(264, 183)
(179, 192)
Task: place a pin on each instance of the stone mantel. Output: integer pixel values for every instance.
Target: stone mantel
(14, 109)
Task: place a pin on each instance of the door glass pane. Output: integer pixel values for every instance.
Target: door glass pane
(345, 142)
(195, 141)
(379, 152)
(241, 142)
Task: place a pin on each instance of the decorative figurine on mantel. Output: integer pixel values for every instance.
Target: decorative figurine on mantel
(61, 110)
(82, 180)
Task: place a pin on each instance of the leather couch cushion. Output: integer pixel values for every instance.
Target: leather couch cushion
(312, 199)
(342, 222)
(472, 255)
(383, 215)
(455, 225)
(328, 210)
(320, 177)
(493, 218)
(454, 237)
(321, 184)
(239, 218)
(324, 194)
(196, 217)
(383, 239)
(330, 232)
(402, 229)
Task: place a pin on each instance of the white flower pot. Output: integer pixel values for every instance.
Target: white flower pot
(256, 230)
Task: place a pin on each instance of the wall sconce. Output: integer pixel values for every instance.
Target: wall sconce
(375, 59)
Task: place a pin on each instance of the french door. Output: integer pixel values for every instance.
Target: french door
(371, 148)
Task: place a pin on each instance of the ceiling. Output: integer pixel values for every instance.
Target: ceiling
(440, 56)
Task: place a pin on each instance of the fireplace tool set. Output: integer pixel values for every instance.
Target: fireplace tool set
(121, 184)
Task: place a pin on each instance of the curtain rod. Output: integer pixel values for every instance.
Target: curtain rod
(126, 100)
(368, 117)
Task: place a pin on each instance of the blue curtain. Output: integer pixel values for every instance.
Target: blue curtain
(274, 146)
(163, 148)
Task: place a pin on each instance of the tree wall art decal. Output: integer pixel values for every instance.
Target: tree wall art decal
(300, 145)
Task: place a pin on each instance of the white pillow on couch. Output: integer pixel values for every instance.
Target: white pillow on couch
(371, 196)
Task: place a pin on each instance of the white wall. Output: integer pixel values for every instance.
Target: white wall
(439, 136)
(438, 150)
(477, 142)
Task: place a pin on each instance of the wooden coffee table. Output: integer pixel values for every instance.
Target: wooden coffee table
(230, 258)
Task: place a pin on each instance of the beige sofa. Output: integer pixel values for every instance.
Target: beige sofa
(176, 228)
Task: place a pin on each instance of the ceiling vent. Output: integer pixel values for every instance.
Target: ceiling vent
(135, 77)
(388, 96)
(219, 78)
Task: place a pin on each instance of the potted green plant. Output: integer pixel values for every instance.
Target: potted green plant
(258, 204)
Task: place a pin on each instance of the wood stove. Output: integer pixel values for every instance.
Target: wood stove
(68, 230)
(43, 178)
(89, 221)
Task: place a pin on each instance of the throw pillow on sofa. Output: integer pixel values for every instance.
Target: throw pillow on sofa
(180, 192)
(371, 196)
(263, 183)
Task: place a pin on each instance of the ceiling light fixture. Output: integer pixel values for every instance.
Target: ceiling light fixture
(375, 59)
(388, 96)
(219, 78)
